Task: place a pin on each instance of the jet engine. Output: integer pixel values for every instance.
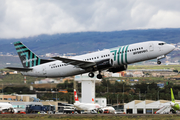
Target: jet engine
(104, 64)
(118, 69)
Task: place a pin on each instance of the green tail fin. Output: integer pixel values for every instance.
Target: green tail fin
(172, 96)
(27, 57)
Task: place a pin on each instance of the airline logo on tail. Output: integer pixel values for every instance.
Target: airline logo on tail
(75, 96)
(27, 57)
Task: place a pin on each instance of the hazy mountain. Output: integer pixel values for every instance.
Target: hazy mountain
(89, 41)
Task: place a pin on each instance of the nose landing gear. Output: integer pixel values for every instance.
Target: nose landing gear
(160, 57)
(158, 62)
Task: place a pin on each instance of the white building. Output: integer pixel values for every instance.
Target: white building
(47, 80)
(87, 87)
(144, 107)
(101, 101)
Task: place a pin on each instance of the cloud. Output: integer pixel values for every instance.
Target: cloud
(20, 18)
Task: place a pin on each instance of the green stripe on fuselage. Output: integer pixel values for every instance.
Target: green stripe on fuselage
(114, 54)
(119, 56)
(126, 54)
(122, 55)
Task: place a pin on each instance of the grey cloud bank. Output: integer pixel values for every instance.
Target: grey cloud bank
(20, 18)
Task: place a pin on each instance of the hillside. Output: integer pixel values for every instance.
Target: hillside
(89, 41)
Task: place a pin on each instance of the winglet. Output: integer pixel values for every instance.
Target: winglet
(75, 96)
(172, 96)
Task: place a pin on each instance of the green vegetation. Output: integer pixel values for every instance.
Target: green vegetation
(16, 79)
(112, 90)
(144, 88)
(174, 67)
(19, 79)
(90, 117)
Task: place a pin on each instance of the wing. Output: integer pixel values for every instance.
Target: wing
(75, 62)
(19, 69)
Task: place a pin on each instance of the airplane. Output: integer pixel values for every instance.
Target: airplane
(173, 107)
(90, 107)
(108, 110)
(113, 60)
(6, 108)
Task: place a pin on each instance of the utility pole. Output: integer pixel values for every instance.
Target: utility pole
(56, 94)
(123, 92)
(117, 101)
(24, 79)
(2, 89)
(107, 88)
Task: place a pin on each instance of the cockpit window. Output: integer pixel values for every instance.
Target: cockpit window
(161, 43)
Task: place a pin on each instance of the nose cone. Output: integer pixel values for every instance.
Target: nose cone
(172, 47)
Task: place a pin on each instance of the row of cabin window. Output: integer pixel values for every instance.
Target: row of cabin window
(97, 57)
(59, 65)
(91, 58)
(130, 50)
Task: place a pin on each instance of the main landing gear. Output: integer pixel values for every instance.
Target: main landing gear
(91, 74)
(99, 76)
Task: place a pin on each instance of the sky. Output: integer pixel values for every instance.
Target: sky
(27, 18)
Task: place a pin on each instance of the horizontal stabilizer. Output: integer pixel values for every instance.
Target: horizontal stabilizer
(19, 69)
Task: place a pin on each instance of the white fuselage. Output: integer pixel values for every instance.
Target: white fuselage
(86, 106)
(122, 55)
(109, 108)
(5, 106)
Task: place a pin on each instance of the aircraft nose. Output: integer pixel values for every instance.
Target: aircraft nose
(172, 47)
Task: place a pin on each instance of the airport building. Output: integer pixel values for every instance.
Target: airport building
(22, 97)
(21, 102)
(145, 107)
(101, 101)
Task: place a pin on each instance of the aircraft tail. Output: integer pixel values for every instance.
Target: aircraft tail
(172, 96)
(75, 96)
(27, 57)
(93, 100)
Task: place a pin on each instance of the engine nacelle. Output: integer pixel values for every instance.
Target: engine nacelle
(104, 64)
(118, 69)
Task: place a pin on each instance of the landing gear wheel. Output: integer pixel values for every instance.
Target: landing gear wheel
(91, 74)
(158, 62)
(99, 76)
